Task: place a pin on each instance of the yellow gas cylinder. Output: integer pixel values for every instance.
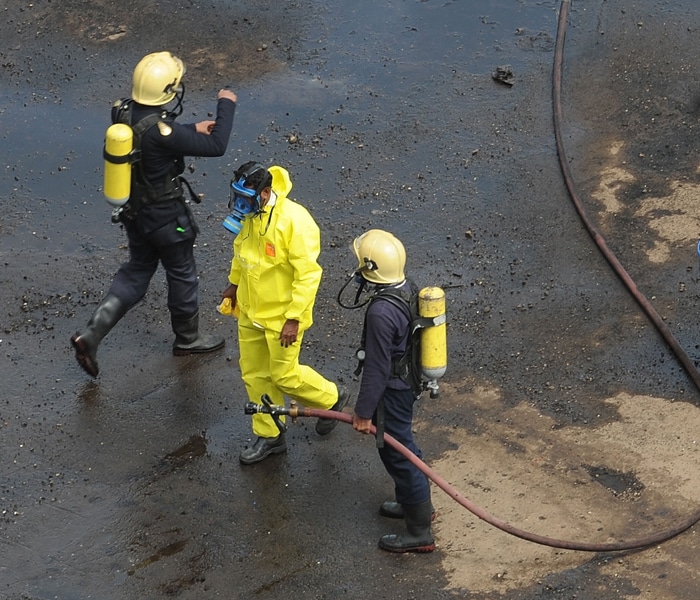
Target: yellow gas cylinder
(433, 354)
(119, 142)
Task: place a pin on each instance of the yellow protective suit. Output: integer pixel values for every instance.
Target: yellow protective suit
(277, 273)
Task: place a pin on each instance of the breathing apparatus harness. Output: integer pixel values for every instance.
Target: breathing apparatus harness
(408, 366)
(413, 304)
(144, 192)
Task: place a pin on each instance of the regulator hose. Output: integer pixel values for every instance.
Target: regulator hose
(495, 521)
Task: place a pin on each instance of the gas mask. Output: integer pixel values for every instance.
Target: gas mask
(243, 202)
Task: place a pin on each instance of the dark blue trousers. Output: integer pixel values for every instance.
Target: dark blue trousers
(411, 484)
(176, 254)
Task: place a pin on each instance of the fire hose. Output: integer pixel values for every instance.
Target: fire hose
(595, 234)
(294, 411)
(646, 306)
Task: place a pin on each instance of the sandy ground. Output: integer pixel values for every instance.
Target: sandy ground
(542, 479)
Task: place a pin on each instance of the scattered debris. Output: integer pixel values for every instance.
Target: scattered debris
(504, 74)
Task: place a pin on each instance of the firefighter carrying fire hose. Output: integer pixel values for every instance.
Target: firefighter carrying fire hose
(391, 377)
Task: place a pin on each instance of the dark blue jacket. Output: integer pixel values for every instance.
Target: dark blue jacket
(163, 152)
(386, 335)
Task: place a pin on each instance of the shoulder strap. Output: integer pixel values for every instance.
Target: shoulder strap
(398, 298)
(139, 129)
(145, 124)
(407, 367)
(391, 297)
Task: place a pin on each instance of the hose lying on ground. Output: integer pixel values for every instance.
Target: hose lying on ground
(595, 234)
(658, 322)
(485, 516)
(617, 267)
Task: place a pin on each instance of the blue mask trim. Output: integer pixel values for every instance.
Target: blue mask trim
(243, 202)
(242, 196)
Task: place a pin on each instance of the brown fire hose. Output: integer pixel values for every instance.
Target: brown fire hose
(296, 411)
(595, 234)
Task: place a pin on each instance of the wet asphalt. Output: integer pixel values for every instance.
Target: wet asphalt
(129, 486)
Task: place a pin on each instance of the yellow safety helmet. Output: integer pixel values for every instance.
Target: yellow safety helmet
(156, 79)
(381, 257)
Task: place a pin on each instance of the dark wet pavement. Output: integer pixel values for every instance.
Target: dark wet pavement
(387, 116)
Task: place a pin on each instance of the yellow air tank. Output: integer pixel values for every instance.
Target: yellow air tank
(433, 354)
(119, 142)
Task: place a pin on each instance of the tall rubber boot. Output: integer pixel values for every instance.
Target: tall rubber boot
(418, 537)
(189, 341)
(394, 510)
(106, 316)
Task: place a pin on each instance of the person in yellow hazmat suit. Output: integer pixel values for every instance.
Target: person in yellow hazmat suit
(274, 279)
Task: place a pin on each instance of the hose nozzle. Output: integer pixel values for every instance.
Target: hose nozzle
(268, 408)
(252, 409)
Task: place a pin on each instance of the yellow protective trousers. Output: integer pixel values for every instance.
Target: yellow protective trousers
(269, 368)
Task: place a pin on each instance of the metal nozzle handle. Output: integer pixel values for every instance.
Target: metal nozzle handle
(251, 408)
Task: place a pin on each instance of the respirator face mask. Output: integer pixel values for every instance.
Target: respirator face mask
(243, 202)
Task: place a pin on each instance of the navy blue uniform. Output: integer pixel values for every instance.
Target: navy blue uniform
(386, 335)
(164, 230)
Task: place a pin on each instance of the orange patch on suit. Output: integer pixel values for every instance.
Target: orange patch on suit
(270, 249)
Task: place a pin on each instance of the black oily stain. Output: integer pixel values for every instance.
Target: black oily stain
(195, 447)
(168, 550)
(272, 584)
(622, 485)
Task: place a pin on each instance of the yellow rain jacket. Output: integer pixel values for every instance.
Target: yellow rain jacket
(275, 261)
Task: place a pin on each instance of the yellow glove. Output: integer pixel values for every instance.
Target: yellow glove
(225, 308)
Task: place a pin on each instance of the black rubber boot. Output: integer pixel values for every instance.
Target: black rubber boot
(262, 448)
(189, 341)
(106, 316)
(418, 537)
(325, 426)
(394, 510)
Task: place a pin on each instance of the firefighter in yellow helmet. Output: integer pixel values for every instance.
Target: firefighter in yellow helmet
(385, 399)
(273, 280)
(159, 224)
(157, 79)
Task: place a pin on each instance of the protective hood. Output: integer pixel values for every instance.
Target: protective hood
(281, 182)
